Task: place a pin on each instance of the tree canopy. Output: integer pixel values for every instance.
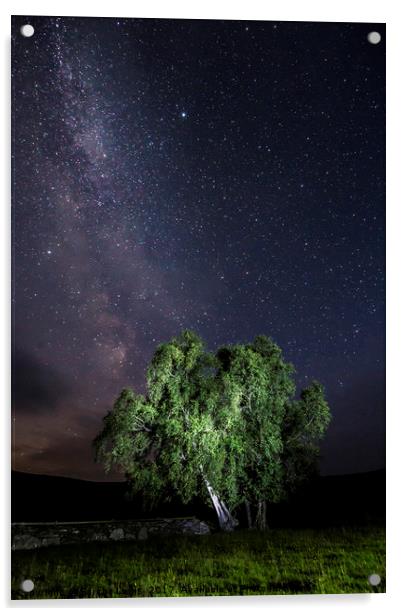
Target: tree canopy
(222, 426)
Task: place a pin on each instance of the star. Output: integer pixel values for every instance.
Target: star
(228, 198)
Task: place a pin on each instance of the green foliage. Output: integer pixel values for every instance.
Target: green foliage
(264, 384)
(305, 423)
(128, 442)
(229, 418)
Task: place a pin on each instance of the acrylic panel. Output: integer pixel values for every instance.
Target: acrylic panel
(198, 389)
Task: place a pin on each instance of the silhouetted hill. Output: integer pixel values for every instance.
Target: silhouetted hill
(43, 498)
(332, 500)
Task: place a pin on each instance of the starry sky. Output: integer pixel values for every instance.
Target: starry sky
(222, 176)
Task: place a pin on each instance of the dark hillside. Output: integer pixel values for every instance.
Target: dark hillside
(333, 500)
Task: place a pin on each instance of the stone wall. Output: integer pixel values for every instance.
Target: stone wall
(26, 536)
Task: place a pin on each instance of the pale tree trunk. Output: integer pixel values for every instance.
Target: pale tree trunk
(261, 517)
(248, 512)
(226, 521)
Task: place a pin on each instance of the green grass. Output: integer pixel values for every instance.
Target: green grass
(241, 563)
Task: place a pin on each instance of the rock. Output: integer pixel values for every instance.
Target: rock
(25, 542)
(117, 534)
(194, 527)
(202, 529)
(51, 540)
(142, 534)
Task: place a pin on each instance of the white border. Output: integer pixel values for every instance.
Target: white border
(285, 10)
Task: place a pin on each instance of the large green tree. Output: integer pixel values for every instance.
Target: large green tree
(224, 427)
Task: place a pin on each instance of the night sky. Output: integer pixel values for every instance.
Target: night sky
(221, 176)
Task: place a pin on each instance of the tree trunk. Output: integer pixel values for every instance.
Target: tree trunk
(248, 511)
(226, 521)
(261, 517)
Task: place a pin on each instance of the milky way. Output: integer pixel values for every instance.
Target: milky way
(226, 177)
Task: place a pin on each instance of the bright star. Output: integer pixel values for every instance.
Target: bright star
(183, 114)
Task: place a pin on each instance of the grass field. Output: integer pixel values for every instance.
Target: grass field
(242, 563)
